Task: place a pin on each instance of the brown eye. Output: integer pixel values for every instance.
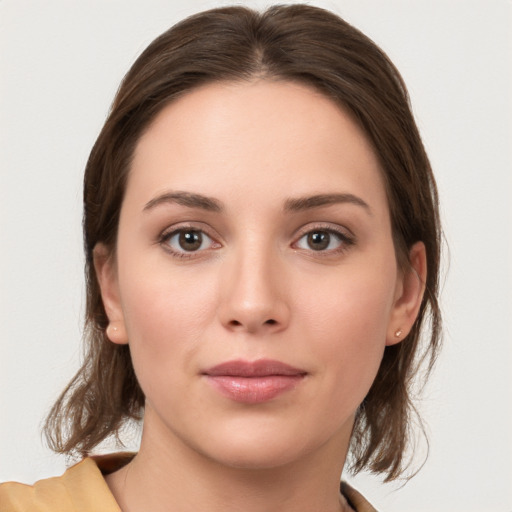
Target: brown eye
(318, 240)
(190, 240)
(324, 240)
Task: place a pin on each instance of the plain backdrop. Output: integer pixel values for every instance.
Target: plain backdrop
(60, 65)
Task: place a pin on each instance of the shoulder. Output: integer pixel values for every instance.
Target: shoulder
(81, 488)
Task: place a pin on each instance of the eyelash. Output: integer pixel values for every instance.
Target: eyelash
(345, 241)
(166, 236)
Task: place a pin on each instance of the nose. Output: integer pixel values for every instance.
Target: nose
(254, 294)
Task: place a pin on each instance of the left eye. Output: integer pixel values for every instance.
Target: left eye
(188, 240)
(320, 240)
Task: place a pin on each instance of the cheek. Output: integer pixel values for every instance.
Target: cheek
(347, 318)
(356, 301)
(160, 298)
(165, 314)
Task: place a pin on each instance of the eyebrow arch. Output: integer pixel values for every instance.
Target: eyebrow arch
(187, 199)
(317, 201)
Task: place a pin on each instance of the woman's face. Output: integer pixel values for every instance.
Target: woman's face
(255, 277)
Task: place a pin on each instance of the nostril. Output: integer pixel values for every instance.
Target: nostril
(237, 323)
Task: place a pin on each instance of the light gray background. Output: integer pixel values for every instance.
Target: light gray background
(60, 64)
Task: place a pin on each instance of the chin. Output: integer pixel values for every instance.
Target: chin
(260, 448)
(256, 456)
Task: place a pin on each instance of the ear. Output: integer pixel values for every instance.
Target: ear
(106, 272)
(408, 295)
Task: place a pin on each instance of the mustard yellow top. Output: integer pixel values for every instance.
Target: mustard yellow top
(82, 488)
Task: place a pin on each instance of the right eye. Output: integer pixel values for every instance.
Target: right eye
(188, 240)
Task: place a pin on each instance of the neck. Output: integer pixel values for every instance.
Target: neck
(172, 476)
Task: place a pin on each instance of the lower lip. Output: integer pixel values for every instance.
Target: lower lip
(254, 390)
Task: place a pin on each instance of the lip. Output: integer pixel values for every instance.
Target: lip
(254, 382)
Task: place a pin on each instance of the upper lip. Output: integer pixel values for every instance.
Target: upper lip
(259, 368)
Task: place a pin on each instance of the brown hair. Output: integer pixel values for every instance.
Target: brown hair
(293, 43)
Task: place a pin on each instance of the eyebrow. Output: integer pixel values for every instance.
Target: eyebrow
(317, 201)
(187, 199)
(192, 200)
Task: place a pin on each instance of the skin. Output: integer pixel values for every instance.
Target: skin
(256, 288)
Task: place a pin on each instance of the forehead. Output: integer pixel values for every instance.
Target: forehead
(265, 137)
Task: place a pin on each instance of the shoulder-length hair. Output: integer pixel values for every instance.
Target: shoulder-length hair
(296, 43)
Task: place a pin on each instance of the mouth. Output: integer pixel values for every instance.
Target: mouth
(253, 382)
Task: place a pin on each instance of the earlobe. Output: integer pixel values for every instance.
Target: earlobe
(106, 273)
(116, 333)
(409, 295)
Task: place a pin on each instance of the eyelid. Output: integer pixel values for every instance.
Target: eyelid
(325, 226)
(345, 235)
(169, 232)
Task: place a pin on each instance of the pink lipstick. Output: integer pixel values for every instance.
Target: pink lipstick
(254, 382)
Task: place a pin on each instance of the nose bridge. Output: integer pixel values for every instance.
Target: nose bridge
(254, 297)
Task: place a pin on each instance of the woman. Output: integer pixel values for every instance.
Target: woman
(262, 250)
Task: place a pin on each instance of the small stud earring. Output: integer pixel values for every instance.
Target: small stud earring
(110, 330)
(398, 333)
